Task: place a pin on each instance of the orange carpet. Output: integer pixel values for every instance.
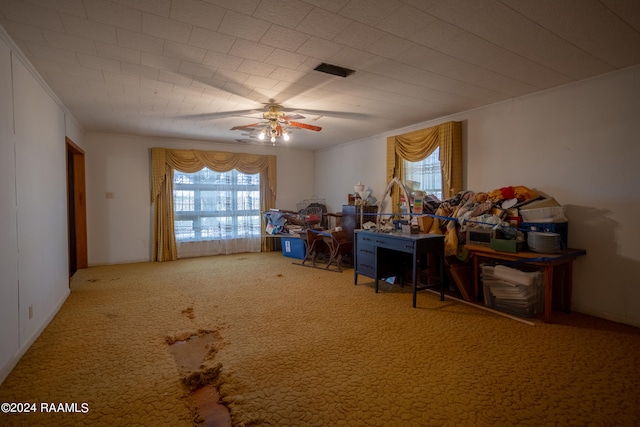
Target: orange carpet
(305, 347)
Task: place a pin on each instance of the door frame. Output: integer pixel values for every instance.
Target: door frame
(77, 203)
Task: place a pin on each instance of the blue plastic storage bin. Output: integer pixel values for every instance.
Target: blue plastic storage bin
(293, 247)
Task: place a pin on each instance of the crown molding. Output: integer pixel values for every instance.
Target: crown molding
(16, 52)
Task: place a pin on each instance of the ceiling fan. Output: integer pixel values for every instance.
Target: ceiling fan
(275, 124)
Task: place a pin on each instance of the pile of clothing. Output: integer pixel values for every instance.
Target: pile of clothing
(289, 222)
(471, 209)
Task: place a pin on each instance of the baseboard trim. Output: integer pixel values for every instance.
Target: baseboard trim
(603, 315)
(8, 367)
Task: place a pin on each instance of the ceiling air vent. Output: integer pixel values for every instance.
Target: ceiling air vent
(334, 69)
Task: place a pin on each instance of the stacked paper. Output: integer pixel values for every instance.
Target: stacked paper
(512, 291)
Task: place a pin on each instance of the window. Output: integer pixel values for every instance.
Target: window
(427, 172)
(212, 205)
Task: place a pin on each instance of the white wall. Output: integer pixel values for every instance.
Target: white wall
(338, 170)
(579, 143)
(119, 230)
(42, 201)
(33, 214)
(9, 310)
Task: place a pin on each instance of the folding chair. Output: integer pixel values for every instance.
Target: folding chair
(315, 245)
(339, 245)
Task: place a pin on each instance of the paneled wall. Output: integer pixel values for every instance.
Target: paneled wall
(33, 205)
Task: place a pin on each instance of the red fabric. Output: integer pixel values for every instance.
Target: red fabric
(313, 219)
(508, 192)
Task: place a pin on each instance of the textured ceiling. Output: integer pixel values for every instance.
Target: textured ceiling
(191, 69)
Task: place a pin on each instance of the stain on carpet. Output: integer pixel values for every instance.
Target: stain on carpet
(188, 312)
(193, 353)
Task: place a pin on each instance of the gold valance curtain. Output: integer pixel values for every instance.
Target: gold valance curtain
(417, 145)
(165, 161)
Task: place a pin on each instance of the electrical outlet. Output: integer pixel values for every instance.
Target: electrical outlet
(30, 312)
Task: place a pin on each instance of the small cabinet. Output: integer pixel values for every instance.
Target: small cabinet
(351, 217)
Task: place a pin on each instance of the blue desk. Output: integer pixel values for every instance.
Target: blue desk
(378, 255)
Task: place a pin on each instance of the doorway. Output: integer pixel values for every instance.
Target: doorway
(76, 208)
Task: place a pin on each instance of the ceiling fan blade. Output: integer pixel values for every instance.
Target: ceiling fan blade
(246, 126)
(292, 117)
(218, 115)
(305, 126)
(343, 114)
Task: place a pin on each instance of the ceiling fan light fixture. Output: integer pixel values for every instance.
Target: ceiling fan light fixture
(276, 126)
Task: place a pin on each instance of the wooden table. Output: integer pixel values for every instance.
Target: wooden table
(551, 263)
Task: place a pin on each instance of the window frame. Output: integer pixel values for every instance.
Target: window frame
(231, 209)
(434, 163)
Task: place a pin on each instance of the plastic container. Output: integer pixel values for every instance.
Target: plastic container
(562, 228)
(517, 299)
(503, 245)
(548, 214)
(293, 248)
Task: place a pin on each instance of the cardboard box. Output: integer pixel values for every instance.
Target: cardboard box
(425, 223)
(410, 229)
(549, 202)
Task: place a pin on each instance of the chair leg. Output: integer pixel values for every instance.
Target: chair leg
(335, 258)
(332, 256)
(309, 254)
(339, 262)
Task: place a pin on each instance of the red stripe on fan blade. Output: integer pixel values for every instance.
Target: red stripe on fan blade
(305, 126)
